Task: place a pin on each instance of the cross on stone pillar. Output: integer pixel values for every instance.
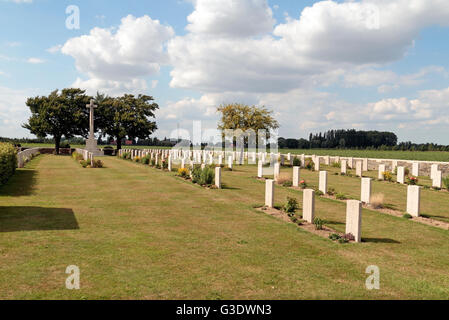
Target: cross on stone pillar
(91, 108)
(91, 143)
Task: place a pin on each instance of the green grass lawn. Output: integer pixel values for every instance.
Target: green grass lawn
(137, 232)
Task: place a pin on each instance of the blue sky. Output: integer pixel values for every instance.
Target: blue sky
(371, 64)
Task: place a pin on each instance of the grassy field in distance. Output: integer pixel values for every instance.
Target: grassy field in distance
(380, 154)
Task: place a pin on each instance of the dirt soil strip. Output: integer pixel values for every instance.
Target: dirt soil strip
(397, 213)
(325, 233)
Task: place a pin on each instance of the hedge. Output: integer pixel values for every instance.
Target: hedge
(8, 161)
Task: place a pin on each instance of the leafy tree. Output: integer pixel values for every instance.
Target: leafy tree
(126, 116)
(60, 114)
(239, 116)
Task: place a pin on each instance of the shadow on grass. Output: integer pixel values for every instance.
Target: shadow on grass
(226, 187)
(14, 219)
(20, 184)
(379, 240)
(334, 222)
(432, 216)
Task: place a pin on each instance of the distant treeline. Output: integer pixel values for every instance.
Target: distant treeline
(332, 139)
(356, 139)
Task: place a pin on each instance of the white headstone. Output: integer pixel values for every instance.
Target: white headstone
(260, 169)
(323, 182)
(344, 165)
(415, 169)
(218, 177)
(365, 165)
(366, 190)
(382, 169)
(433, 170)
(317, 163)
(358, 169)
(394, 165)
(277, 171)
(296, 176)
(401, 175)
(351, 162)
(269, 193)
(437, 179)
(308, 213)
(354, 219)
(413, 200)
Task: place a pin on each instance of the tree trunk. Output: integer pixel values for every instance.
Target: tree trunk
(119, 143)
(57, 143)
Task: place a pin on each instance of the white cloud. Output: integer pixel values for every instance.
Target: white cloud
(35, 60)
(231, 18)
(55, 48)
(371, 31)
(388, 80)
(329, 38)
(111, 87)
(13, 44)
(13, 112)
(118, 58)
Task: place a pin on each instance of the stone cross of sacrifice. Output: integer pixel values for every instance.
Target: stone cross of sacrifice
(91, 108)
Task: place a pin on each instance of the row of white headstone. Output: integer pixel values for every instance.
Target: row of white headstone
(353, 206)
(353, 209)
(215, 156)
(87, 155)
(167, 156)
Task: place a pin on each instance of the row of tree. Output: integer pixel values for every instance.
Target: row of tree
(64, 114)
(352, 139)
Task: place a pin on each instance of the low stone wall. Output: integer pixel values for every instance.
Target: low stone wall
(23, 156)
(62, 151)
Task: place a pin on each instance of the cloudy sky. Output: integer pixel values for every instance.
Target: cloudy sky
(374, 64)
